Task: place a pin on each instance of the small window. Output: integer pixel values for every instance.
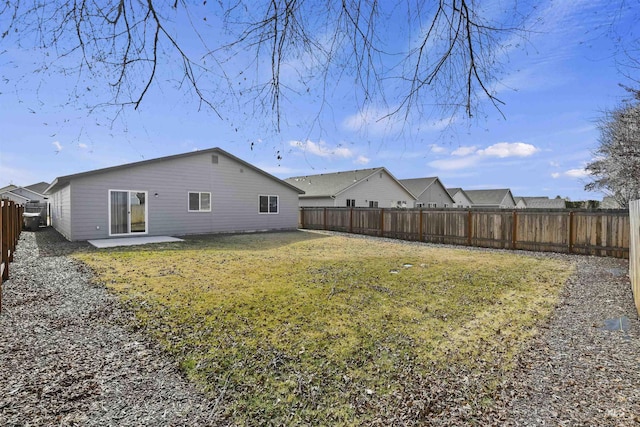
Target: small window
(419, 205)
(199, 202)
(432, 205)
(373, 204)
(269, 204)
(351, 203)
(446, 205)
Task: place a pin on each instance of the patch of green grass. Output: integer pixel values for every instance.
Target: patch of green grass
(298, 328)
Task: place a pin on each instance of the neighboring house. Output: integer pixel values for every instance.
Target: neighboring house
(540, 203)
(459, 197)
(207, 191)
(520, 203)
(374, 187)
(429, 192)
(31, 197)
(14, 197)
(499, 198)
(609, 202)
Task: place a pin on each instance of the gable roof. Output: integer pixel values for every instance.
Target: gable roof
(417, 186)
(489, 197)
(542, 202)
(64, 180)
(455, 190)
(39, 188)
(332, 184)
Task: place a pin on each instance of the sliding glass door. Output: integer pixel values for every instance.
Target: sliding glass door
(127, 212)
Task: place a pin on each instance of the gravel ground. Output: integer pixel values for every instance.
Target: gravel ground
(69, 354)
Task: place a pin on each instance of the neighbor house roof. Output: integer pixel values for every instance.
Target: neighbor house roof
(455, 190)
(489, 197)
(39, 188)
(332, 184)
(542, 202)
(64, 180)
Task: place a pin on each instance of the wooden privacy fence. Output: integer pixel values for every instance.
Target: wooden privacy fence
(588, 232)
(634, 251)
(11, 220)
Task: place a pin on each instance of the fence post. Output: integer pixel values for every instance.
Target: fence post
(421, 230)
(514, 232)
(571, 231)
(324, 220)
(381, 222)
(351, 220)
(469, 227)
(5, 239)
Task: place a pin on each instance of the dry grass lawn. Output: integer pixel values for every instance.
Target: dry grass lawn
(302, 328)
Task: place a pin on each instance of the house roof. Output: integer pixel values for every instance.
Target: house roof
(542, 202)
(455, 190)
(64, 180)
(332, 184)
(489, 197)
(417, 186)
(8, 188)
(39, 188)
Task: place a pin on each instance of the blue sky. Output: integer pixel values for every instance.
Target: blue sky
(555, 85)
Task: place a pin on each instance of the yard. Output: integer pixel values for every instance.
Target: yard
(303, 328)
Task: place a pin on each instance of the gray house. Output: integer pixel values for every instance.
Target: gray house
(374, 188)
(207, 191)
(429, 192)
(460, 197)
(499, 198)
(539, 203)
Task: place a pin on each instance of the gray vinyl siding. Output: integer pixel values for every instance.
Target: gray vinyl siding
(436, 194)
(60, 202)
(461, 201)
(379, 187)
(234, 187)
(307, 202)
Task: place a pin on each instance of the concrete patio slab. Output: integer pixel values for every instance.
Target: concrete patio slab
(130, 241)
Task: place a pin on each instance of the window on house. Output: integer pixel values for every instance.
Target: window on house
(199, 202)
(431, 205)
(446, 205)
(419, 205)
(373, 203)
(269, 204)
(351, 203)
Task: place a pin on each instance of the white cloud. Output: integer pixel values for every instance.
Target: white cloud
(554, 164)
(555, 175)
(464, 151)
(470, 155)
(57, 145)
(321, 149)
(438, 149)
(454, 164)
(81, 145)
(509, 149)
(576, 173)
(362, 160)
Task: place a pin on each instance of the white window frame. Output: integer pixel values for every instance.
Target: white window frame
(199, 193)
(373, 203)
(351, 203)
(269, 196)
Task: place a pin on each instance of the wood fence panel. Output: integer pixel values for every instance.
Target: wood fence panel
(366, 221)
(603, 233)
(401, 224)
(492, 229)
(634, 251)
(338, 218)
(543, 231)
(445, 226)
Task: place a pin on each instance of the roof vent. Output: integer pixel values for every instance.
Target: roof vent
(214, 159)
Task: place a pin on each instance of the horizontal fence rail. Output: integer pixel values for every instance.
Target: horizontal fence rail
(11, 225)
(587, 232)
